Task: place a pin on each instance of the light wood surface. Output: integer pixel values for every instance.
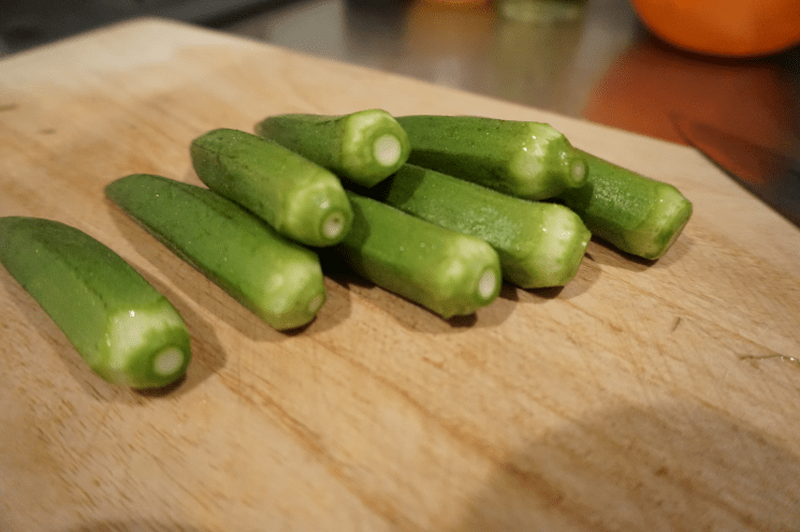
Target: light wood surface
(655, 397)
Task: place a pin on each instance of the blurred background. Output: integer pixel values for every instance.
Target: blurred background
(603, 63)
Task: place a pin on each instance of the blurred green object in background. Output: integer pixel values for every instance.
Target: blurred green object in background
(541, 11)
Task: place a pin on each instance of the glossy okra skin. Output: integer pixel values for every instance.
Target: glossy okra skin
(447, 272)
(637, 214)
(279, 280)
(364, 147)
(299, 198)
(123, 328)
(540, 244)
(530, 160)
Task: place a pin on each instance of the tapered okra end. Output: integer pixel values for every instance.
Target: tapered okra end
(470, 279)
(292, 297)
(568, 239)
(374, 146)
(144, 348)
(574, 167)
(317, 213)
(665, 221)
(545, 163)
(551, 258)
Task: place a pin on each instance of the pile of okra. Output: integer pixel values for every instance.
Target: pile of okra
(440, 210)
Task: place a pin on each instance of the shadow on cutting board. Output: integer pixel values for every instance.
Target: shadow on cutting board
(411, 315)
(675, 466)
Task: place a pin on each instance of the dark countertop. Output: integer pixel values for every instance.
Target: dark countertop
(605, 67)
(471, 48)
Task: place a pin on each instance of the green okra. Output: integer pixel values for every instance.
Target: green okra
(279, 280)
(637, 214)
(530, 160)
(299, 198)
(364, 147)
(540, 244)
(123, 328)
(445, 271)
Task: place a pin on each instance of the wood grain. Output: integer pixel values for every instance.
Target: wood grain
(642, 396)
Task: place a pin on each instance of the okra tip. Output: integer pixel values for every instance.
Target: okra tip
(317, 214)
(665, 222)
(487, 285)
(145, 348)
(576, 175)
(545, 165)
(333, 225)
(387, 150)
(168, 361)
(374, 146)
(475, 266)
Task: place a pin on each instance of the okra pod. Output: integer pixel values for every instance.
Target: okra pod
(637, 214)
(279, 280)
(540, 244)
(124, 329)
(300, 199)
(445, 271)
(530, 160)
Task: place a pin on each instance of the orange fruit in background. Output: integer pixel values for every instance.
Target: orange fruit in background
(730, 28)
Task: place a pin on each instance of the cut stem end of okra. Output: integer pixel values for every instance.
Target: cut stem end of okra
(664, 223)
(334, 225)
(373, 146)
(364, 147)
(487, 285)
(144, 348)
(291, 193)
(168, 361)
(448, 272)
(387, 150)
(577, 172)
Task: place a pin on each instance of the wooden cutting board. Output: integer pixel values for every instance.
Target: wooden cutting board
(641, 396)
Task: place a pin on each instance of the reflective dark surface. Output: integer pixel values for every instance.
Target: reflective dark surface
(471, 48)
(26, 24)
(605, 67)
(771, 176)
